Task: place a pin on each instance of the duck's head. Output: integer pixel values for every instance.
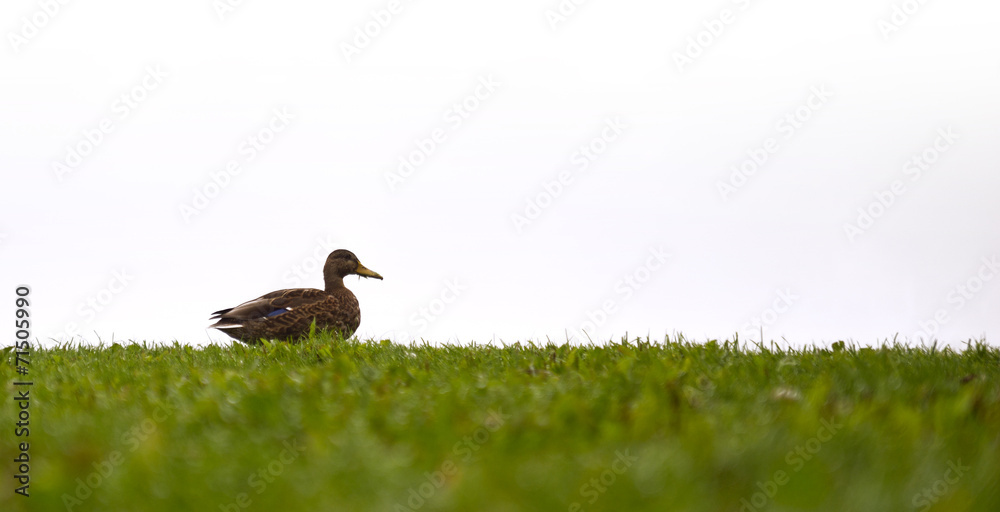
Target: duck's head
(342, 263)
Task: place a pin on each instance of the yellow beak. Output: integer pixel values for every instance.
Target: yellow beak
(362, 271)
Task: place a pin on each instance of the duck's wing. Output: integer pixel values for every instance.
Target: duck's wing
(267, 306)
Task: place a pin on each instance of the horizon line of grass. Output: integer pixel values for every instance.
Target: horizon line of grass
(679, 340)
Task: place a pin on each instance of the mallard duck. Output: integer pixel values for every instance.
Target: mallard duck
(289, 313)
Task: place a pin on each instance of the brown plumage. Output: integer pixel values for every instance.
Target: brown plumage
(285, 314)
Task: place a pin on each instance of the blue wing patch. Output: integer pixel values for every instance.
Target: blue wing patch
(277, 312)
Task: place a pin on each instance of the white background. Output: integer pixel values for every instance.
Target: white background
(697, 89)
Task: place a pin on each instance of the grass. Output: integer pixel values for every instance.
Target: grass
(335, 425)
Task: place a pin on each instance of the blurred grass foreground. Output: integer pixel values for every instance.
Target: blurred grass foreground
(329, 425)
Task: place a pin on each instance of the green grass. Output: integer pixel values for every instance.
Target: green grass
(349, 425)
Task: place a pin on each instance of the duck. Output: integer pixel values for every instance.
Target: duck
(289, 314)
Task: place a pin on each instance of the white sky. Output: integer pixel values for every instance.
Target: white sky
(660, 136)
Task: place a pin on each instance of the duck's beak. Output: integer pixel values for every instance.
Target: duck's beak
(362, 271)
